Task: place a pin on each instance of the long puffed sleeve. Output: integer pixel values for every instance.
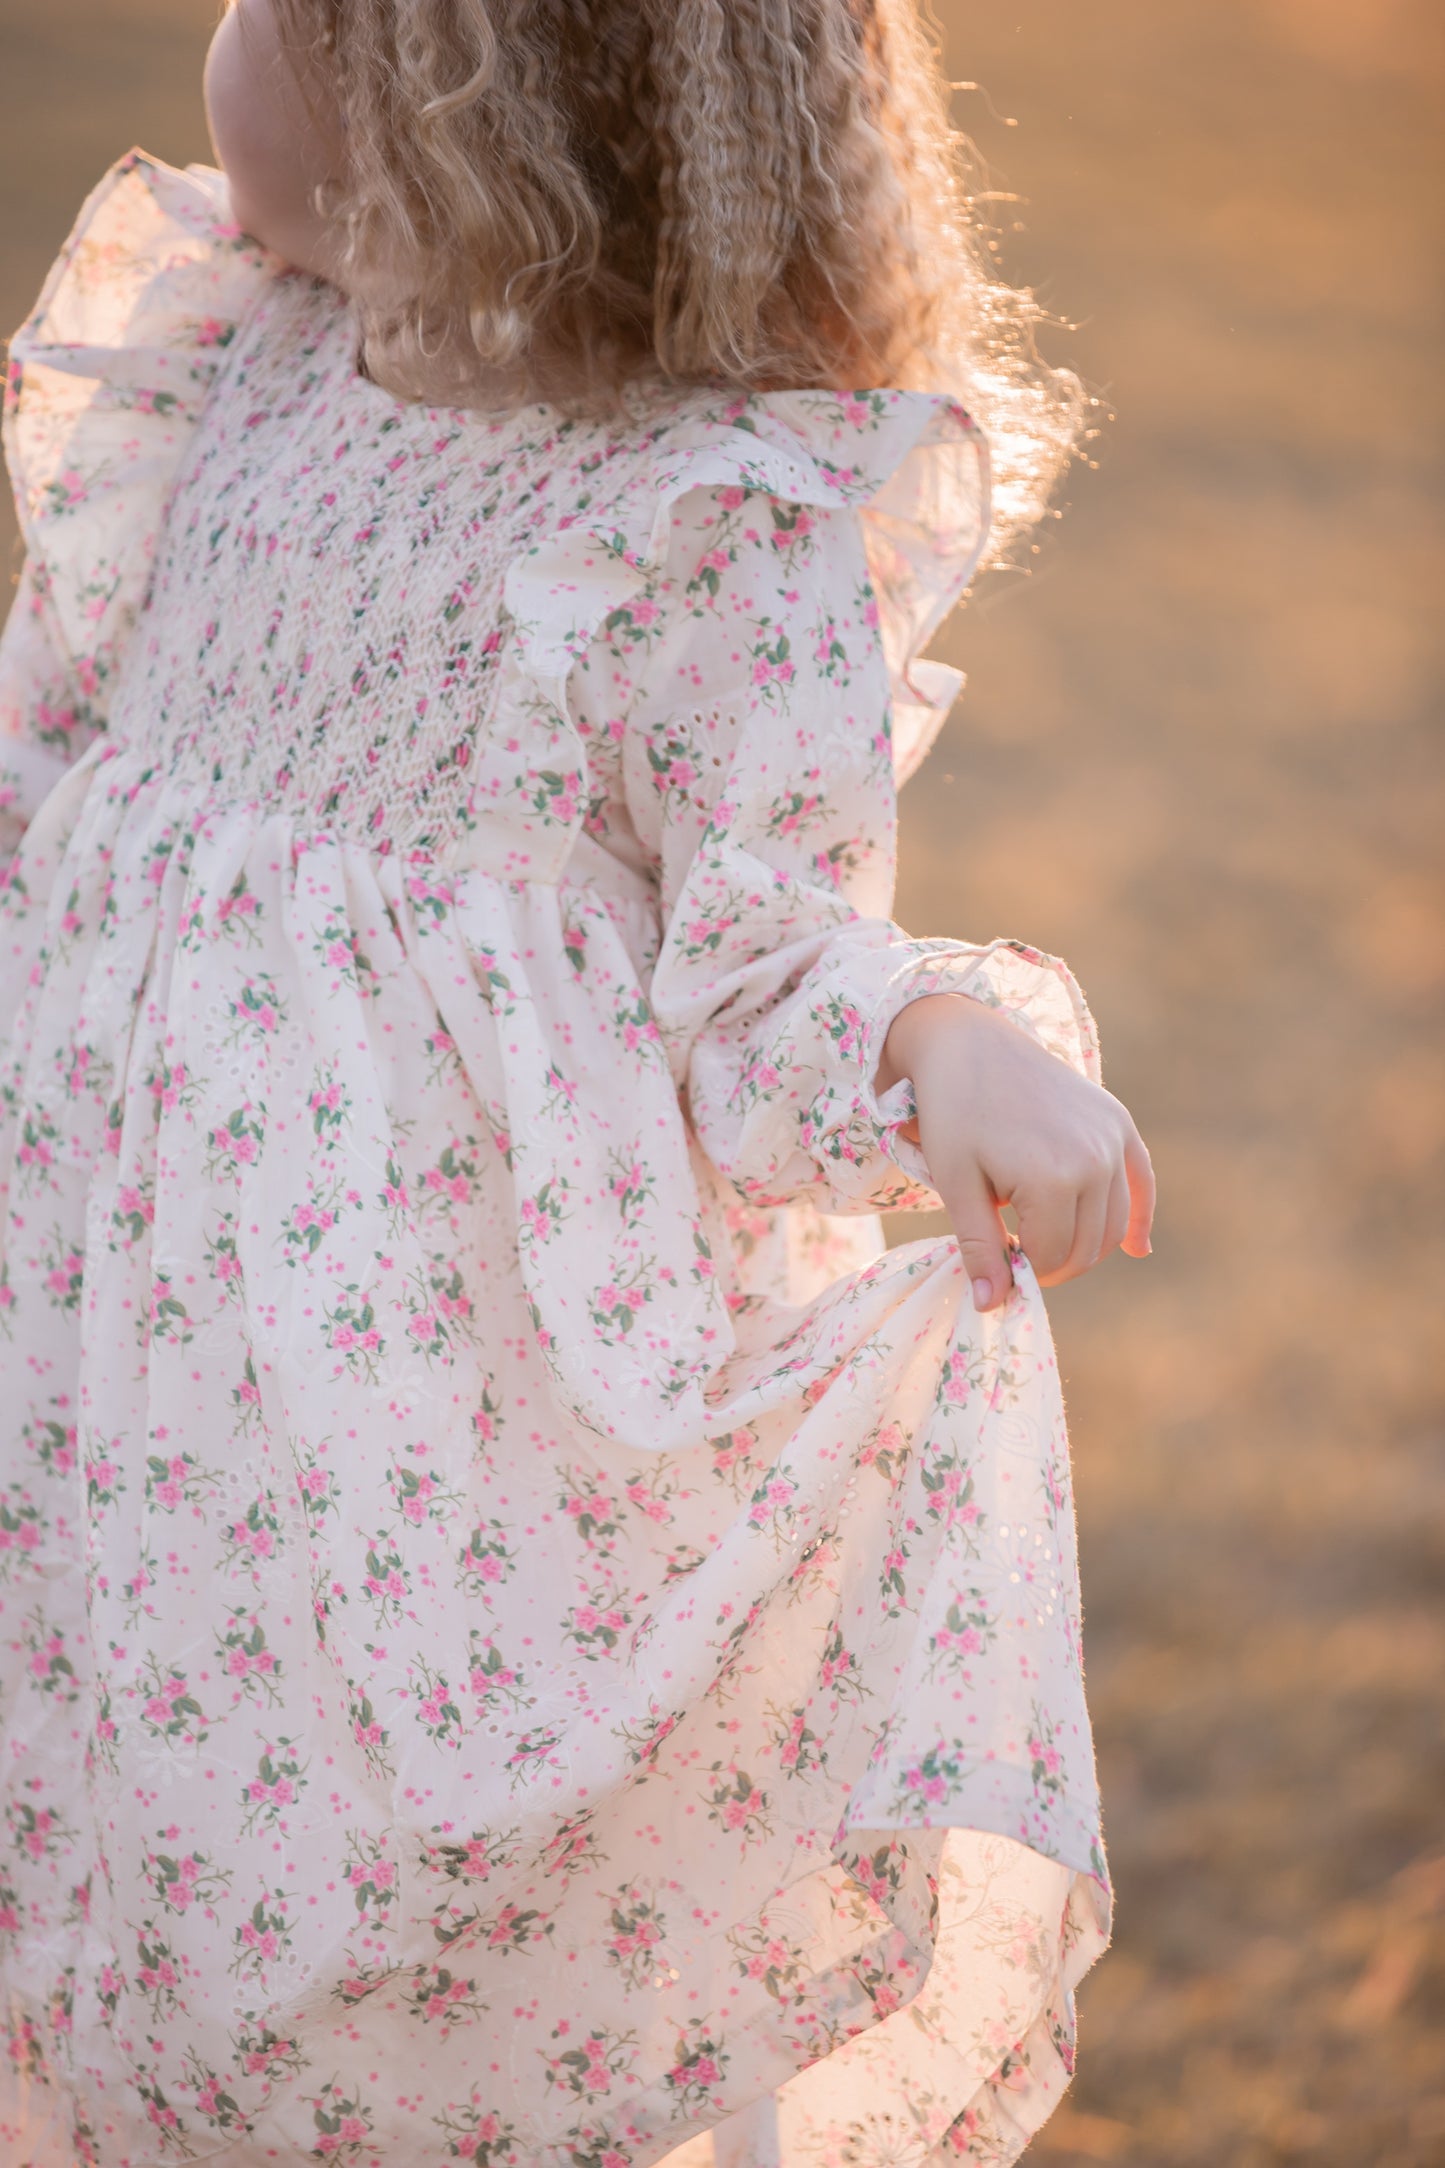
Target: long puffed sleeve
(106, 380)
(47, 717)
(760, 781)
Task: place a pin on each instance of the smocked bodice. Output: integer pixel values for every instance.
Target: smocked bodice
(326, 615)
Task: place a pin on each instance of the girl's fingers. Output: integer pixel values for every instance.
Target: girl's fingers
(1047, 1219)
(1140, 1171)
(973, 1209)
(1089, 1220)
(1116, 1218)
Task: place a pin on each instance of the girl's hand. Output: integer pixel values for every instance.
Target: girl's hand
(1000, 1121)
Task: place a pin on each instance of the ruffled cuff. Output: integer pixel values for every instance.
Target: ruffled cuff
(857, 1130)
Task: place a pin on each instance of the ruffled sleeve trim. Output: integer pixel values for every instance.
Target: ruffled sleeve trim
(107, 378)
(912, 465)
(915, 466)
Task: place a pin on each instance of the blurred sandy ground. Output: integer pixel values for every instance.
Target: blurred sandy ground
(1197, 757)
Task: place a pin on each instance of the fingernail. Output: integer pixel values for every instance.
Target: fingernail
(982, 1294)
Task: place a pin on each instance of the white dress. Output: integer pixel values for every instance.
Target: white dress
(525, 1636)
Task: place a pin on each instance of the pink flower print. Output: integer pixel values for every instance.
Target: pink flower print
(39, 1830)
(731, 497)
(772, 1497)
(596, 2076)
(59, 1279)
(421, 1489)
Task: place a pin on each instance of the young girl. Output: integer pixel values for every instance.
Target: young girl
(528, 1638)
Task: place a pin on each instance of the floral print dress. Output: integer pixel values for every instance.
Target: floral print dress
(525, 1636)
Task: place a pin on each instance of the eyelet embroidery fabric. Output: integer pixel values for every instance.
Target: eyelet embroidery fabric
(525, 1638)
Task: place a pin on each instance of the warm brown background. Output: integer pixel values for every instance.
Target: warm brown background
(1197, 757)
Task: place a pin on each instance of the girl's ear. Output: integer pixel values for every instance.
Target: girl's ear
(277, 131)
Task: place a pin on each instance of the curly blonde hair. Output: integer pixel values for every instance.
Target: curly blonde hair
(597, 196)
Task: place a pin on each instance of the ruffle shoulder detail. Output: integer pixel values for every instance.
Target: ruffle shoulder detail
(107, 377)
(913, 465)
